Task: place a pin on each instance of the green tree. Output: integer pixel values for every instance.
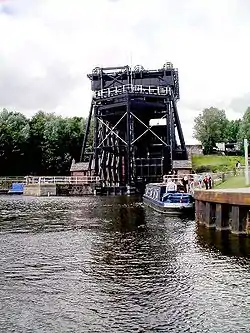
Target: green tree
(37, 142)
(55, 142)
(244, 129)
(209, 128)
(14, 136)
(232, 130)
(74, 135)
(42, 145)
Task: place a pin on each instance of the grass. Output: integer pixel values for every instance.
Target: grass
(233, 182)
(215, 163)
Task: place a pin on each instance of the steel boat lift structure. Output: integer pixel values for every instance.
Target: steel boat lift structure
(137, 130)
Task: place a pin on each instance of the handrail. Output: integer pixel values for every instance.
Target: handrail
(62, 179)
(153, 90)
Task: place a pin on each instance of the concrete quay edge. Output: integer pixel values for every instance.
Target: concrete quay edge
(236, 196)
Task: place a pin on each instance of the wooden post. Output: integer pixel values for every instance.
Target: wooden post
(200, 211)
(209, 215)
(197, 210)
(239, 219)
(222, 217)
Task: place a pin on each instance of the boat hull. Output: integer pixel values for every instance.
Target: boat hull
(170, 209)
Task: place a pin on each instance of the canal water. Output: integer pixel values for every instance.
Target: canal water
(110, 265)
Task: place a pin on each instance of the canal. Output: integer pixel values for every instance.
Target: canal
(110, 265)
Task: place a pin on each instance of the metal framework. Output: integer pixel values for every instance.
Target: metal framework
(136, 124)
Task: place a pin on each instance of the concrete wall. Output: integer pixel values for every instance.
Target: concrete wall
(40, 190)
(224, 209)
(44, 190)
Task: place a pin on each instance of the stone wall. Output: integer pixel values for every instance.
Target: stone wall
(74, 189)
(182, 166)
(194, 149)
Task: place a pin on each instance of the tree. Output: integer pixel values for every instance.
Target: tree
(209, 128)
(232, 130)
(14, 136)
(37, 142)
(244, 128)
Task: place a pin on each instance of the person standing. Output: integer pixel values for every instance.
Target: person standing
(185, 183)
(205, 181)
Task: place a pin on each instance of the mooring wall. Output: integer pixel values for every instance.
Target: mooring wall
(41, 190)
(224, 209)
(74, 189)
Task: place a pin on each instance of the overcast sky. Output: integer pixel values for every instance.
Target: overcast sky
(48, 47)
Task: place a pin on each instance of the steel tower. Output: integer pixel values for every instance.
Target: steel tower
(137, 130)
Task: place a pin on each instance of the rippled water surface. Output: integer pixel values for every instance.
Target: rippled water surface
(109, 265)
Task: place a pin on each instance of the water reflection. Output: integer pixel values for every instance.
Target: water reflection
(225, 242)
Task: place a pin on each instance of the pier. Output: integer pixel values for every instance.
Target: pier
(224, 209)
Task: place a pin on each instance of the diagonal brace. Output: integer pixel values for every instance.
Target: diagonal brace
(115, 79)
(148, 129)
(145, 131)
(112, 130)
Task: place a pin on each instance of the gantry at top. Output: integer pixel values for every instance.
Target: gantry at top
(111, 81)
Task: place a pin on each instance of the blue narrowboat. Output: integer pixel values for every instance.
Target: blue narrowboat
(16, 188)
(160, 199)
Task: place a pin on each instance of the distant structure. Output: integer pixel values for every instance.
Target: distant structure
(225, 148)
(137, 131)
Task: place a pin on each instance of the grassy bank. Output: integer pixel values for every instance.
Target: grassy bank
(215, 163)
(233, 182)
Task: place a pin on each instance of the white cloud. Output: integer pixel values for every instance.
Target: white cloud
(47, 48)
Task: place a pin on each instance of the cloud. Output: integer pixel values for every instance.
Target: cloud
(48, 47)
(240, 104)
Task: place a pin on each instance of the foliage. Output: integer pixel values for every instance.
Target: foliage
(244, 130)
(232, 130)
(42, 145)
(14, 138)
(215, 163)
(209, 128)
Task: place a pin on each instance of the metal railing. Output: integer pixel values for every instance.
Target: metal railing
(119, 90)
(62, 180)
(12, 179)
(195, 181)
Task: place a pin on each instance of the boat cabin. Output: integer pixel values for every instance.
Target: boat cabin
(160, 192)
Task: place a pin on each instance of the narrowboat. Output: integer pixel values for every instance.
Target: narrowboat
(16, 188)
(160, 199)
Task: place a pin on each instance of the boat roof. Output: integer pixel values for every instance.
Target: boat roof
(157, 184)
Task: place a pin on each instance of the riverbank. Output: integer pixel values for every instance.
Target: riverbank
(215, 163)
(233, 182)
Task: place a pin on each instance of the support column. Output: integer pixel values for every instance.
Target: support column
(239, 219)
(197, 210)
(200, 209)
(128, 146)
(222, 217)
(209, 217)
